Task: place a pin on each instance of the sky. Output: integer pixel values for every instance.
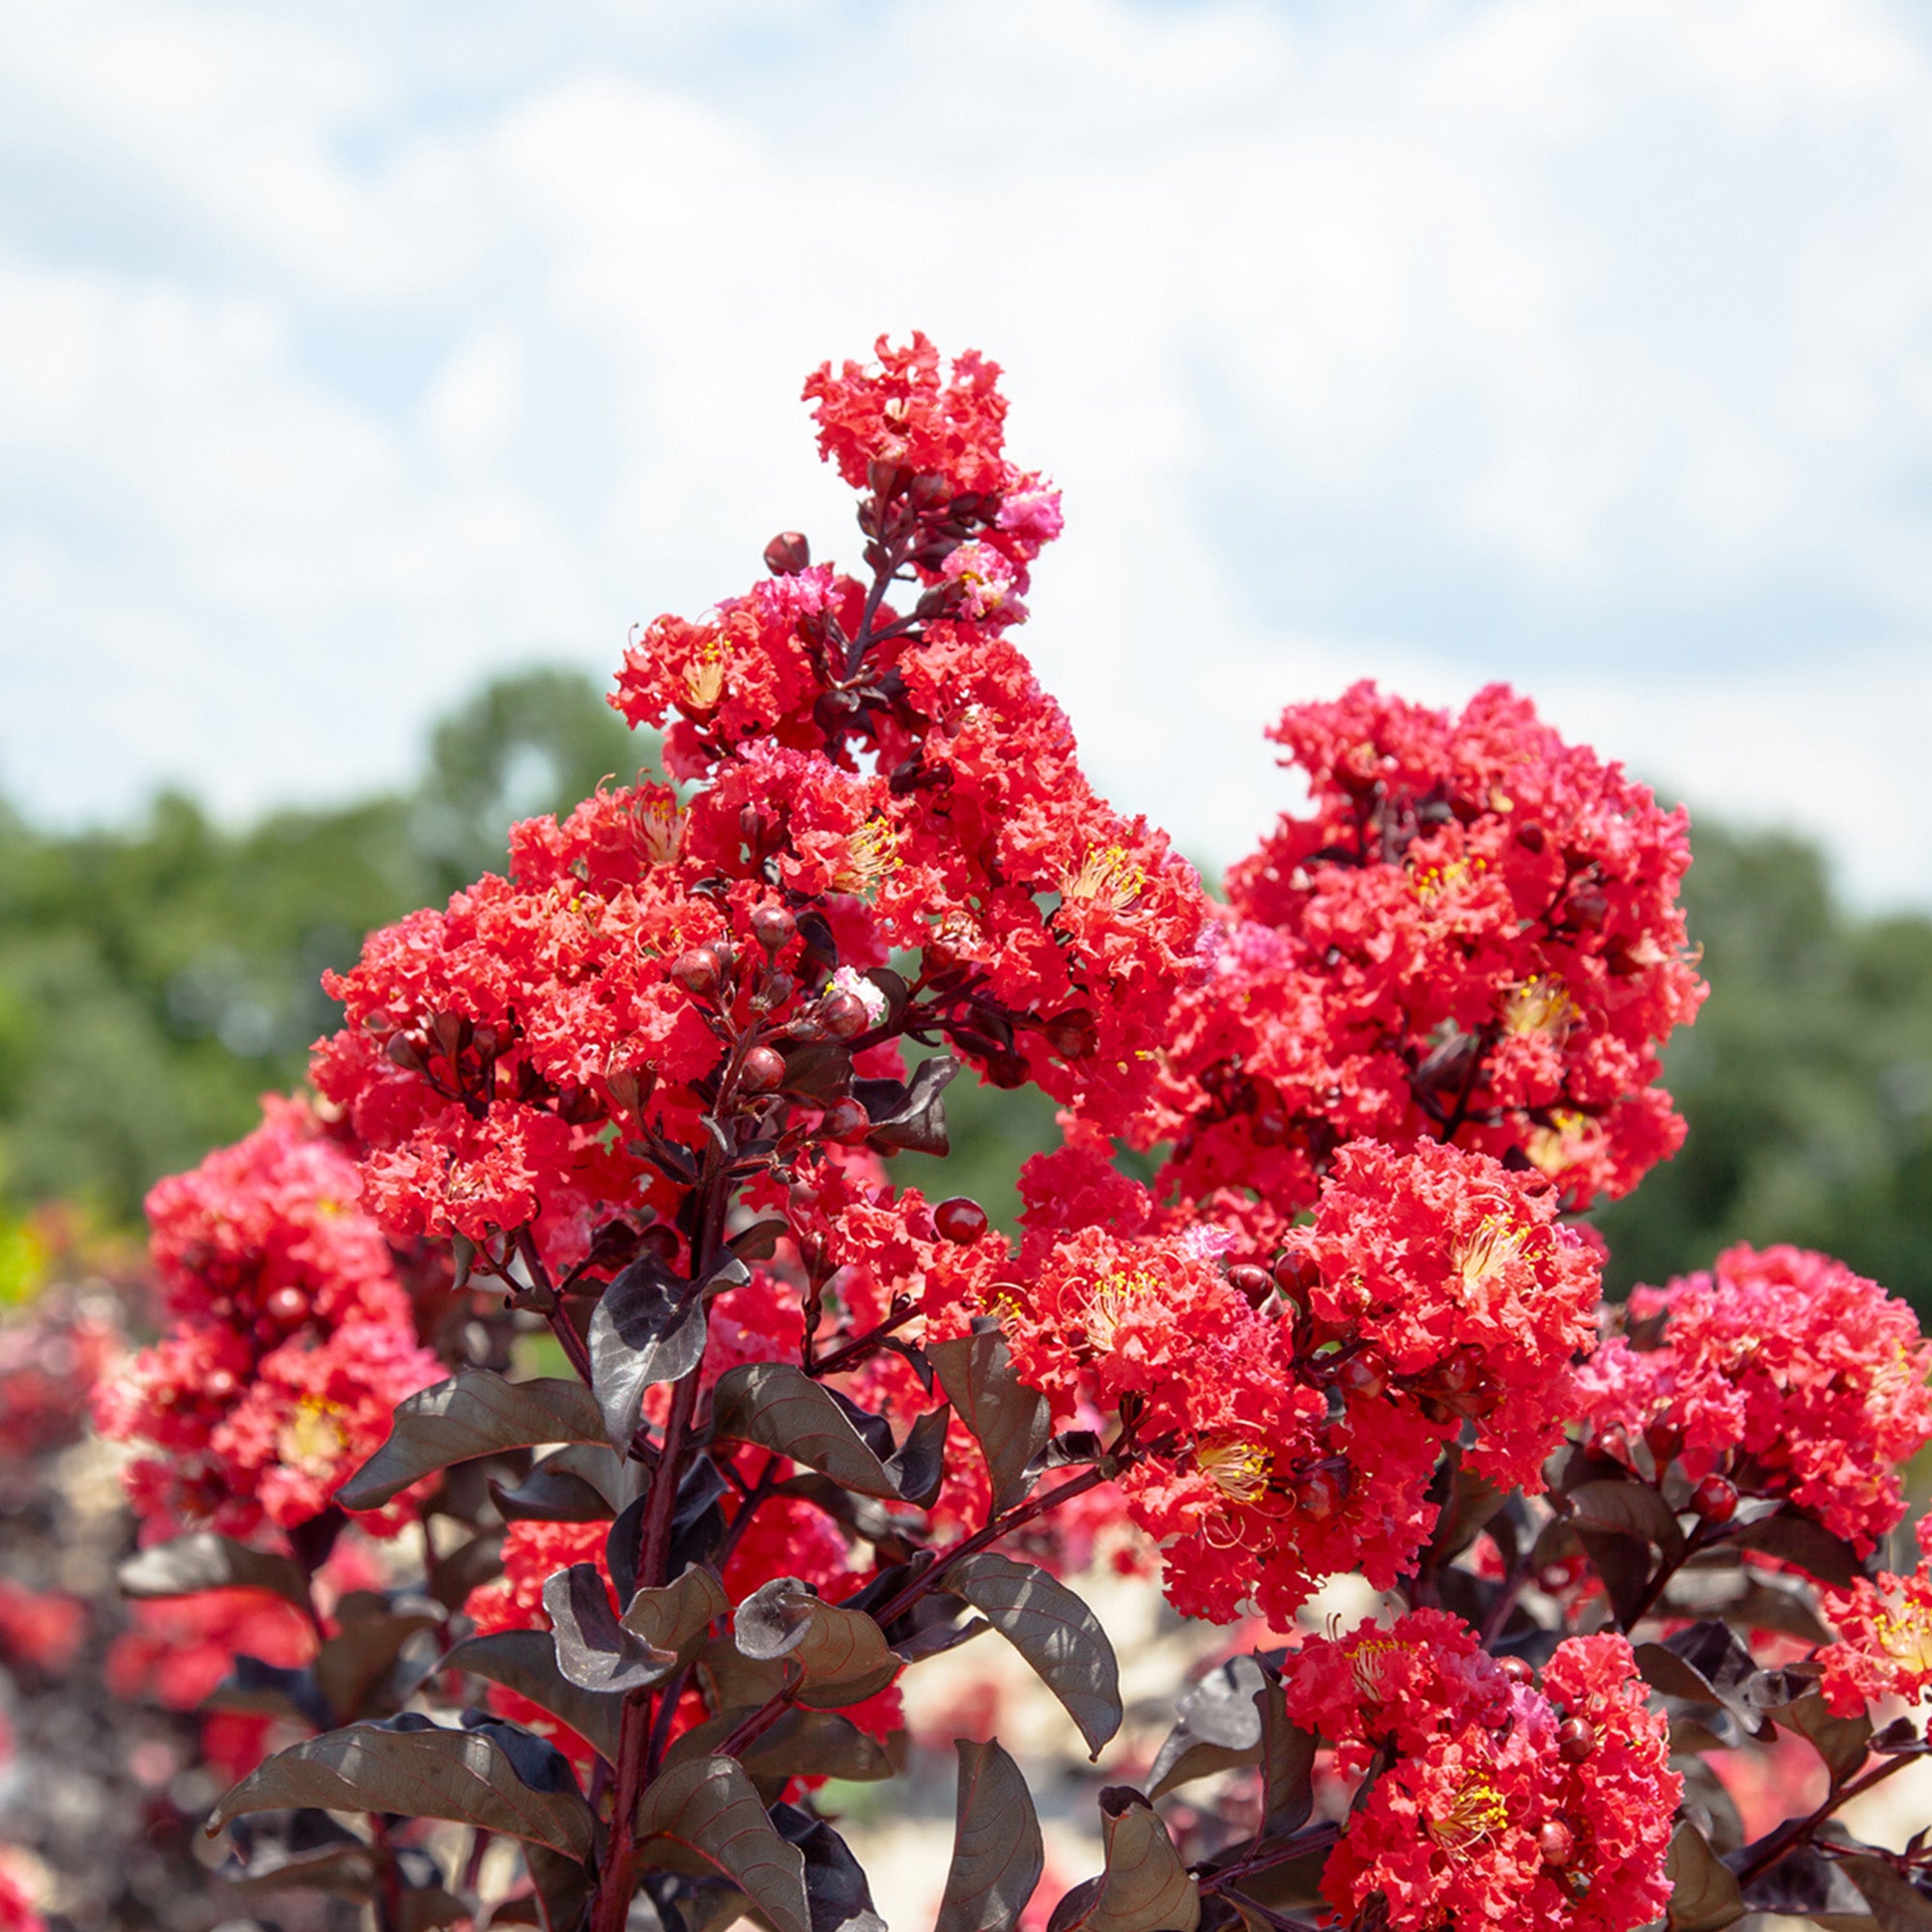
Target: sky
(352, 351)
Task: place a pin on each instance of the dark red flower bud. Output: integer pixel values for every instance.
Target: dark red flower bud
(1254, 1284)
(787, 554)
(1716, 1498)
(1531, 837)
(960, 1219)
(1576, 1740)
(773, 928)
(1557, 1843)
(1663, 1442)
(697, 972)
(1362, 1375)
(219, 1384)
(1518, 1669)
(843, 1015)
(1588, 910)
(1321, 1492)
(287, 1304)
(762, 1071)
(1297, 1275)
(845, 1121)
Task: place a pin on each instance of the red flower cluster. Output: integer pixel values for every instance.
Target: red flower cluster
(43, 1628)
(1506, 1803)
(1472, 934)
(1779, 1370)
(1885, 1637)
(1294, 1418)
(291, 1340)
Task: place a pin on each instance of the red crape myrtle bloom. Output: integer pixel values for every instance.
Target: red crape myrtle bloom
(1471, 934)
(290, 1342)
(1506, 1802)
(1783, 1369)
(1885, 1637)
(1294, 1434)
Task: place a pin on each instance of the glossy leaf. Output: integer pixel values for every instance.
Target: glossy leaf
(997, 1852)
(525, 1661)
(1054, 1631)
(495, 1775)
(1145, 1888)
(679, 1616)
(594, 1651)
(836, 1893)
(1009, 1421)
(476, 1412)
(1841, 1742)
(842, 1654)
(1219, 1726)
(648, 1327)
(1704, 1893)
(801, 1743)
(777, 1405)
(1800, 1538)
(354, 1665)
(708, 1805)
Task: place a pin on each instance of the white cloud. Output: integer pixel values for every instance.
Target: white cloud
(349, 355)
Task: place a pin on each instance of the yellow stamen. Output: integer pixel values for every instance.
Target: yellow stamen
(1476, 1815)
(310, 1437)
(1238, 1467)
(1115, 1297)
(1481, 1256)
(1366, 1660)
(1430, 883)
(1540, 1005)
(659, 829)
(1906, 1634)
(1108, 878)
(871, 853)
(704, 680)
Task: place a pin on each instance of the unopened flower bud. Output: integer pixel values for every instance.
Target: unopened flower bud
(287, 1304)
(787, 554)
(1363, 1377)
(1518, 1669)
(843, 1015)
(845, 1121)
(960, 1219)
(697, 972)
(1319, 1495)
(1297, 1275)
(762, 1071)
(1716, 1498)
(1557, 1843)
(1253, 1284)
(773, 928)
(1576, 1740)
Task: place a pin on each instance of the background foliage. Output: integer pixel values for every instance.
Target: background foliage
(155, 979)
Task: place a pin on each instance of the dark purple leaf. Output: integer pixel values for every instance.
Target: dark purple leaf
(997, 1851)
(648, 1327)
(1704, 1895)
(1054, 1631)
(708, 1805)
(1145, 1886)
(524, 1662)
(1009, 1421)
(594, 1651)
(495, 1777)
(475, 1414)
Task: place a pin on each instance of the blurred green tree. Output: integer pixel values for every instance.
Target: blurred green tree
(154, 979)
(1806, 1081)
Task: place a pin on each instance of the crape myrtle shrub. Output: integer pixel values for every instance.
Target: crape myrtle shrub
(817, 1428)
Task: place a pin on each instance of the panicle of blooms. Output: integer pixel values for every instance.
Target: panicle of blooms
(1885, 1636)
(1293, 1434)
(1780, 1369)
(1473, 933)
(291, 1343)
(1505, 1803)
(1452, 1277)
